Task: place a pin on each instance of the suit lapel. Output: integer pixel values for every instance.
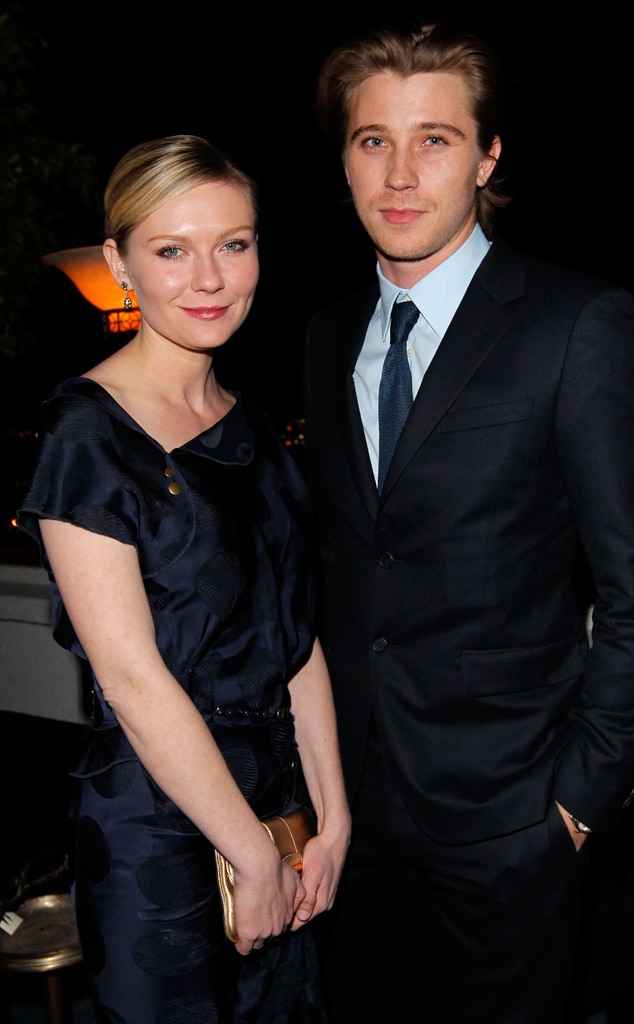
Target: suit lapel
(478, 325)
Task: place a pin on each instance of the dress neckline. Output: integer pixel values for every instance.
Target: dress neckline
(210, 434)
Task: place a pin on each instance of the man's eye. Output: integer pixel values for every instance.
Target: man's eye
(434, 140)
(373, 142)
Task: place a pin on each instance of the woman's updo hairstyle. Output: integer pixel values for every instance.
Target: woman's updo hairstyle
(153, 172)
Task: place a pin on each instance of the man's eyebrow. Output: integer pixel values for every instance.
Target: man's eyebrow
(422, 126)
(368, 129)
(441, 126)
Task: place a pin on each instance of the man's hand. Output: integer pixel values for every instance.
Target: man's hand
(578, 838)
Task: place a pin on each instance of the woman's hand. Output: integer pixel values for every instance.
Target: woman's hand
(323, 863)
(265, 902)
(316, 732)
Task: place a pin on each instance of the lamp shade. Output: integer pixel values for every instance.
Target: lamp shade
(89, 272)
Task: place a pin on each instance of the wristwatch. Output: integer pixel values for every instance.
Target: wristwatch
(579, 825)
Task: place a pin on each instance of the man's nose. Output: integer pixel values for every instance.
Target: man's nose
(402, 172)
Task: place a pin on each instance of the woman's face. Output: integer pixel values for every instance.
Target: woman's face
(193, 265)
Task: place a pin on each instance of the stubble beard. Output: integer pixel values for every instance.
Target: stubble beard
(402, 250)
(415, 256)
(415, 251)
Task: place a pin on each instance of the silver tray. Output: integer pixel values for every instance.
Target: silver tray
(46, 939)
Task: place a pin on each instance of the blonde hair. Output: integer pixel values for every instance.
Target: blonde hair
(153, 172)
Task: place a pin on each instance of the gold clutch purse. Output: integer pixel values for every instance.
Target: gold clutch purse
(290, 834)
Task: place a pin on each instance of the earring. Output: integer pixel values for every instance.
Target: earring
(127, 302)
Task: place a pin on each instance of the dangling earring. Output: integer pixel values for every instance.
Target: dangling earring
(127, 302)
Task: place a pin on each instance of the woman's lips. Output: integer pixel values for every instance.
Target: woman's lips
(205, 312)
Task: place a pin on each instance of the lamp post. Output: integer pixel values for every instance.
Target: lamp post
(89, 272)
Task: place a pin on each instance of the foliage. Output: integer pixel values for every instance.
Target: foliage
(49, 188)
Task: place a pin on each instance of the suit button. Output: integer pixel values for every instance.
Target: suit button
(386, 560)
(379, 645)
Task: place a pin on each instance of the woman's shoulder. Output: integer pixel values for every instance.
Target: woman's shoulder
(82, 388)
(83, 409)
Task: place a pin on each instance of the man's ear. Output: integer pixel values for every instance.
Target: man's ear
(345, 169)
(488, 162)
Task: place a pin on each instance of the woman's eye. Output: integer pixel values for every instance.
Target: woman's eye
(170, 252)
(235, 246)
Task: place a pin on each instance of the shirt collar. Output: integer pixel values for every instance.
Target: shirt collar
(440, 292)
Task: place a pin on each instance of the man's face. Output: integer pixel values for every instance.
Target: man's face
(413, 164)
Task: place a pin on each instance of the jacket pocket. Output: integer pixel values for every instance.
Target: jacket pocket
(518, 669)
(487, 415)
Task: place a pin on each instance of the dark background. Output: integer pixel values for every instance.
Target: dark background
(113, 76)
(109, 77)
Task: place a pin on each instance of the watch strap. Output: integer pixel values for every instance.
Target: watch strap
(579, 825)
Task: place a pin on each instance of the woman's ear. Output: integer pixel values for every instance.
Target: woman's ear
(115, 261)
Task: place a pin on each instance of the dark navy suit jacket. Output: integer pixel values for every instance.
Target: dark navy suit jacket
(449, 605)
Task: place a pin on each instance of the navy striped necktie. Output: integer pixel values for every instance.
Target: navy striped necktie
(395, 389)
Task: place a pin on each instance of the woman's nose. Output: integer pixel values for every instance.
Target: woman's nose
(206, 276)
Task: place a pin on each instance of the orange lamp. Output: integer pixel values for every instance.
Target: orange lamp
(89, 272)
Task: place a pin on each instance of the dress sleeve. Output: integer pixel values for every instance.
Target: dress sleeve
(80, 476)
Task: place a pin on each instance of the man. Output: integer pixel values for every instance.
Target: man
(482, 739)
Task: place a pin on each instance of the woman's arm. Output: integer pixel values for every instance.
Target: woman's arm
(316, 732)
(102, 590)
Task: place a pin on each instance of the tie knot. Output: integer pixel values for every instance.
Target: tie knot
(404, 316)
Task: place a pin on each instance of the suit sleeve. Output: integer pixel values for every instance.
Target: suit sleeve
(595, 440)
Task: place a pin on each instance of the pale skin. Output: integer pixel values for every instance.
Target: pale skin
(193, 265)
(414, 165)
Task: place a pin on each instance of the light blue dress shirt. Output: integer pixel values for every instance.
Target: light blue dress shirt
(437, 296)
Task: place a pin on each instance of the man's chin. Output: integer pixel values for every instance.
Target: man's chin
(402, 254)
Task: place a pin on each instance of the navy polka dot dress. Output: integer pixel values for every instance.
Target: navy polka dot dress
(224, 539)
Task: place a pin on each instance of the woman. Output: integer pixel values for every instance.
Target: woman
(176, 533)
